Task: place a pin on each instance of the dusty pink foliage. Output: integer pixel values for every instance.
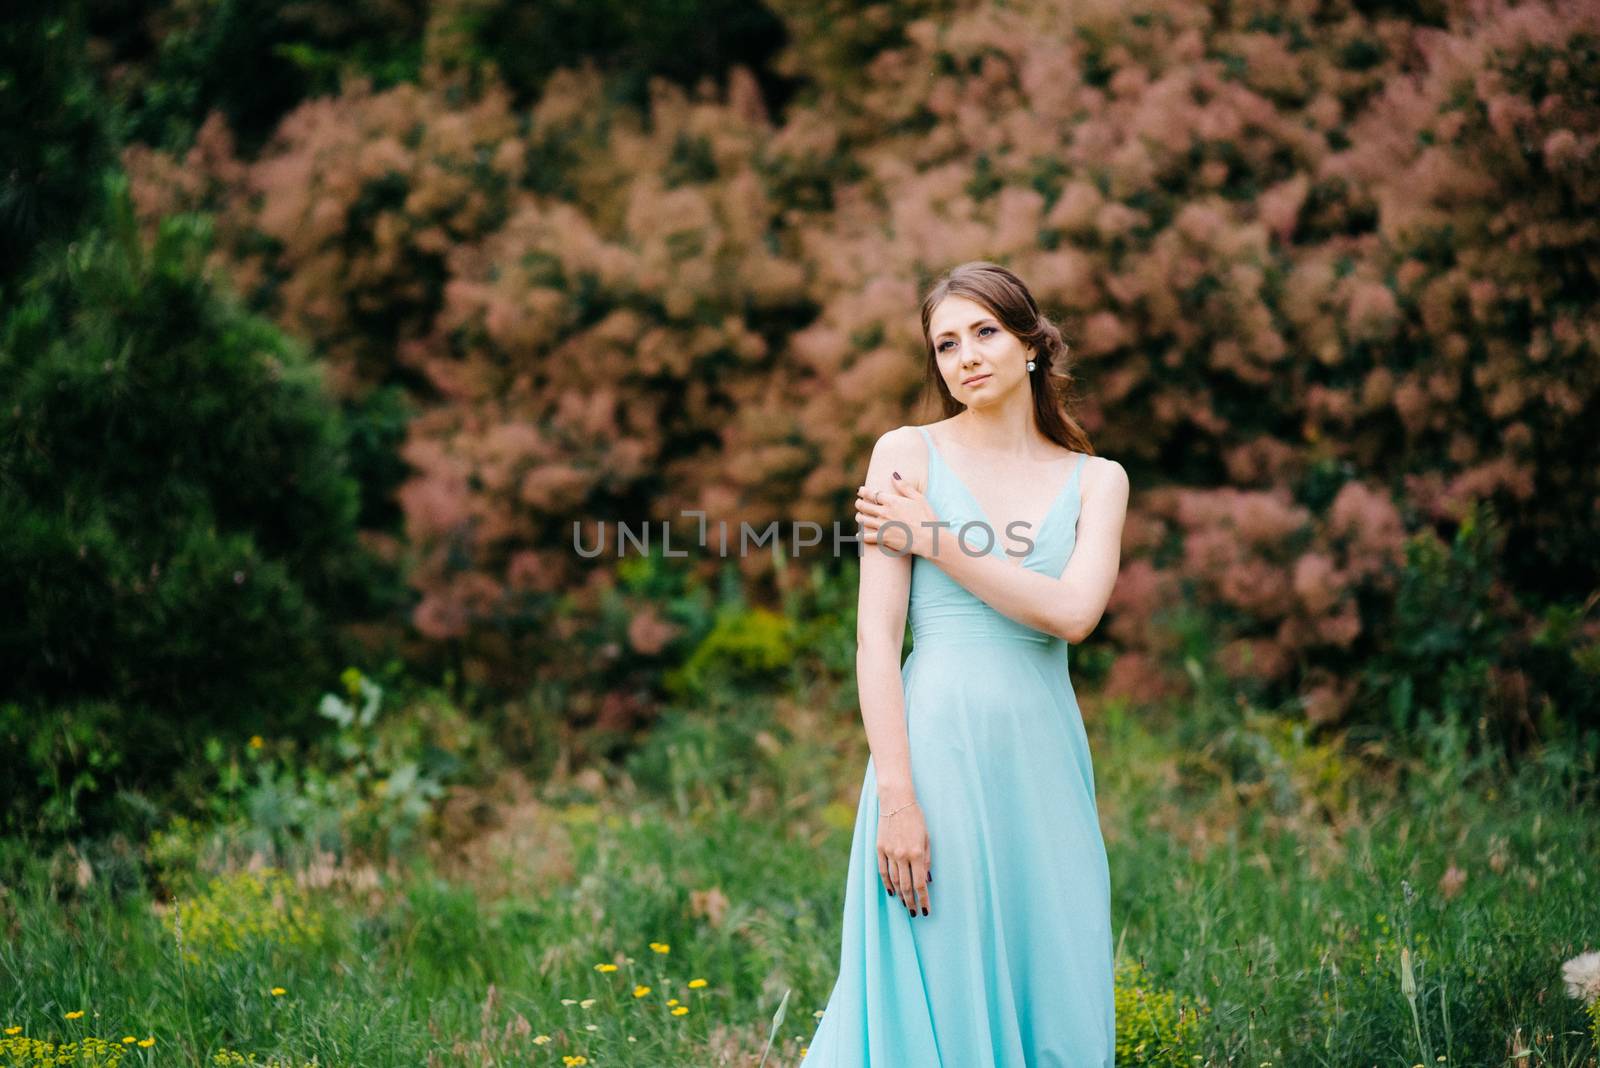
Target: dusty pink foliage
(1241, 229)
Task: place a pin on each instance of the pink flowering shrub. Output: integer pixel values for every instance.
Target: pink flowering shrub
(1328, 280)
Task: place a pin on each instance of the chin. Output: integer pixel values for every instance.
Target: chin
(989, 392)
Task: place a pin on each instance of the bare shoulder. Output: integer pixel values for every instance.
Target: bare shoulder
(899, 450)
(1106, 480)
(902, 439)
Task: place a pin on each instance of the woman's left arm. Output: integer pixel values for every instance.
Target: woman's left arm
(1069, 607)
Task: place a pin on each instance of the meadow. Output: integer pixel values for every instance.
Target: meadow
(1276, 902)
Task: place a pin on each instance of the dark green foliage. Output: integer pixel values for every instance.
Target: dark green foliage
(170, 63)
(252, 60)
(1451, 644)
(1454, 641)
(180, 518)
(377, 424)
(61, 759)
(52, 140)
(673, 39)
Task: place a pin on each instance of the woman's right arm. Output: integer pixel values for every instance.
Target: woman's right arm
(881, 625)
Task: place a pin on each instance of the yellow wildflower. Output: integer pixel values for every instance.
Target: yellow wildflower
(571, 1059)
(680, 1010)
(13, 1030)
(128, 1040)
(672, 1001)
(697, 983)
(640, 991)
(74, 1014)
(256, 741)
(605, 967)
(661, 947)
(148, 1042)
(278, 991)
(242, 910)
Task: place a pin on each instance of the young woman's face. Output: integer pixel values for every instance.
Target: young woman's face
(979, 359)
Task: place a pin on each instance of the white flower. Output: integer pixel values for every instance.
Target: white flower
(1582, 976)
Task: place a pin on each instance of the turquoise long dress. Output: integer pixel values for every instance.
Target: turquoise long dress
(1012, 966)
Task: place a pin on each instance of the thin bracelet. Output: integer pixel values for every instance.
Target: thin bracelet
(902, 808)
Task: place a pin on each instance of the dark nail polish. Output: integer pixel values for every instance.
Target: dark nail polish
(897, 474)
(924, 912)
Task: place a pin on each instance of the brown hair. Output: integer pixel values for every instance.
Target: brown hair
(1009, 301)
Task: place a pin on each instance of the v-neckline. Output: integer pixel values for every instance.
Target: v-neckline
(1050, 510)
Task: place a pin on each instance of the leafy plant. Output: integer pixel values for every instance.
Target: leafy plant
(370, 787)
(1152, 1028)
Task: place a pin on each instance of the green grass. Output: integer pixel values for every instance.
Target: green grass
(1264, 886)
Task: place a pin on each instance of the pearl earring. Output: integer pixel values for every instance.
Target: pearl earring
(1030, 366)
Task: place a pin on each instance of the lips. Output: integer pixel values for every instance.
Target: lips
(974, 380)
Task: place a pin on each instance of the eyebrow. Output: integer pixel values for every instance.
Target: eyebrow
(975, 322)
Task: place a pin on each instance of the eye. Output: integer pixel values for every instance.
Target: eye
(941, 346)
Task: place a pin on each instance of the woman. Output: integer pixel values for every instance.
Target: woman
(979, 755)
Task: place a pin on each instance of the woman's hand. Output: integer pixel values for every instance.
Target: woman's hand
(903, 859)
(909, 517)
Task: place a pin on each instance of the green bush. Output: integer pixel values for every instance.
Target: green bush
(370, 787)
(633, 42)
(1152, 1028)
(251, 61)
(63, 756)
(180, 534)
(1457, 644)
(52, 135)
(748, 647)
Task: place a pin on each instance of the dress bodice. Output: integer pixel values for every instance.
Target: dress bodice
(941, 609)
